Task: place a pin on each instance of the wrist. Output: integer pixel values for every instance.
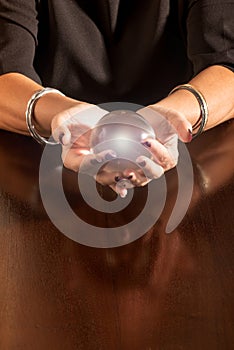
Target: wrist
(179, 107)
(201, 122)
(47, 107)
(181, 102)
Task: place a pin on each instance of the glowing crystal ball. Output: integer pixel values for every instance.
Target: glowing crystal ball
(122, 131)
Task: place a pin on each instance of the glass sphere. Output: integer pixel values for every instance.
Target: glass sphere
(122, 131)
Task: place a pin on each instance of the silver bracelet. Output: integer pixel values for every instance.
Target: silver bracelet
(202, 120)
(30, 113)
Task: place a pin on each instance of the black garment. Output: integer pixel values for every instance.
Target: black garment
(107, 50)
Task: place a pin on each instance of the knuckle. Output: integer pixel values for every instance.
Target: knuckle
(163, 159)
(68, 164)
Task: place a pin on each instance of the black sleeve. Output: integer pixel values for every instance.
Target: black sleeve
(210, 33)
(18, 37)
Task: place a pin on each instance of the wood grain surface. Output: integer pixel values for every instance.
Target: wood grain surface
(160, 292)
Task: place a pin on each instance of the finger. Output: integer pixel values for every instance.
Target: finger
(161, 154)
(136, 177)
(80, 117)
(172, 147)
(62, 134)
(132, 176)
(151, 169)
(86, 114)
(122, 192)
(182, 126)
(92, 163)
(69, 131)
(106, 179)
(125, 183)
(60, 127)
(157, 115)
(72, 160)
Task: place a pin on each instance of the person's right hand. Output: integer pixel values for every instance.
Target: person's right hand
(72, 129)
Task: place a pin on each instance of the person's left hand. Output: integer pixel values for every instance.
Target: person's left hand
(168, 126)
(72, 128)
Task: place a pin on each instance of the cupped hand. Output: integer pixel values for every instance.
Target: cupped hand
(169, 125)
(72, 129)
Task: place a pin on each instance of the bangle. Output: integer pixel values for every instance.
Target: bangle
(30, 113)
(202, 120)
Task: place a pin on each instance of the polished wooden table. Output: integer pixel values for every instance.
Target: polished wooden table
(162, 291)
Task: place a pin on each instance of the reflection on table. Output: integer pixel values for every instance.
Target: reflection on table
(162, 291)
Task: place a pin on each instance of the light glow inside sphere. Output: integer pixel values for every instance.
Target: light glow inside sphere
(122, 131)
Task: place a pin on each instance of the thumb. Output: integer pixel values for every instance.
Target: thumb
(62, 134)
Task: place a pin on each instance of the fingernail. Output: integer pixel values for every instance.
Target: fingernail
(99, 159)
(117, 178)
(146, 144)
(190, 134)
(142, 164)
(61, 138)
(94, 161)
(190, 131)
(110, 155)
(124, 193)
